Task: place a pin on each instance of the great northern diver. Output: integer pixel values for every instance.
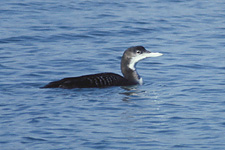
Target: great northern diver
(128, 62)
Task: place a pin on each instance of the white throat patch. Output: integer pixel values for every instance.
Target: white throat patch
(134, 60)
(137, 58)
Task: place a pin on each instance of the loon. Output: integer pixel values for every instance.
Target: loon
(130, 76)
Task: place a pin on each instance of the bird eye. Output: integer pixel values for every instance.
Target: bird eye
(138, 52)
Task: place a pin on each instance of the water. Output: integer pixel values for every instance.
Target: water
(180, 106)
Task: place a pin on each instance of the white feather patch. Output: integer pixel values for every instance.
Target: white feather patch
(137, 58)
(140, 81)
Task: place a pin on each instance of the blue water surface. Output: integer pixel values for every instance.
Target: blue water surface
(180, 106)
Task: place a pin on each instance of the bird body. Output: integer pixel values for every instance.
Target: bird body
(130, 76)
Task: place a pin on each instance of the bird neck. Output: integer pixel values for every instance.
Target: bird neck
(129, 72)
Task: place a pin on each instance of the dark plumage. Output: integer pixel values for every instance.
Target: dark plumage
(90, 81)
